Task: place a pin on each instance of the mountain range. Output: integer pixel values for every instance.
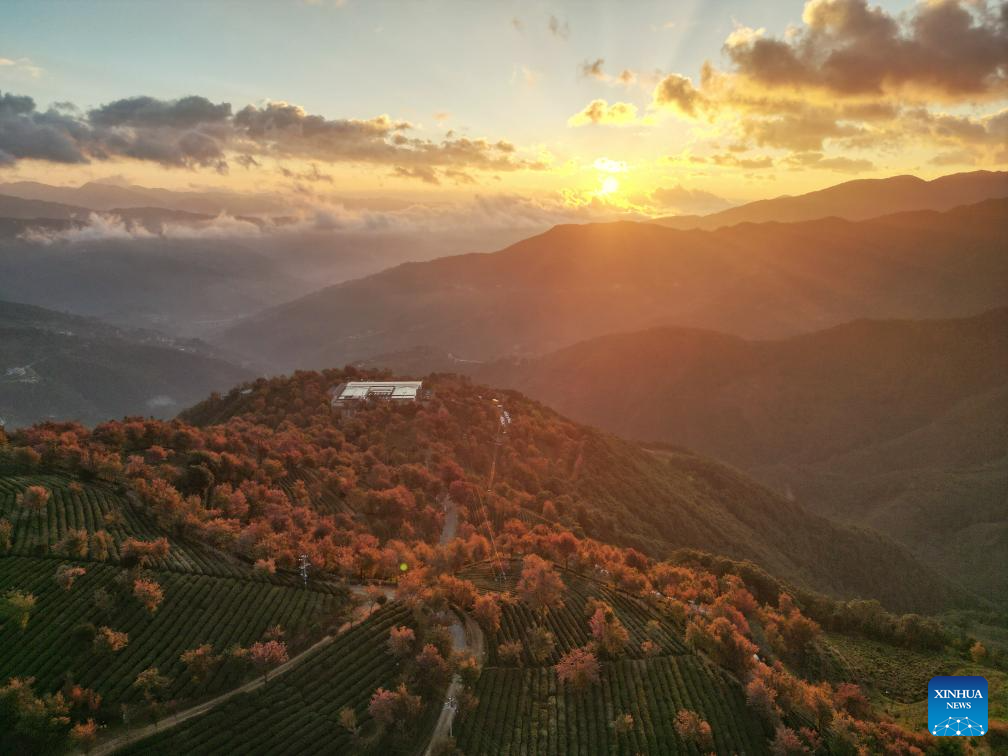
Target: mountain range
(66, 367)
(858, 200)
(577, 282)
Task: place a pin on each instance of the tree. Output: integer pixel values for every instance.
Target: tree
(540, 643)
(850, 698)
(148, 593)
(6, 535)
(109, 641)
(84, 734)
(978, 653)
(398, 707)
(762, 699)
(66, 574)
(400, 641)
(787, 743)
(623, 723)
(578, 668)
(566, 545)
(510, 653)
(692, 729)
(34, 499)
(74, 544)
(200, 662)
(152, 684)
(18, 606)
(100, 545)
(608, 631)
(135, 552)
(266, 655)
(375, 596)
(487, 613)
(540, 586)
(348, 720)
(434, 670)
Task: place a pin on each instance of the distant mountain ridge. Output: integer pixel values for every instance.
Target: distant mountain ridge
(65, 367)
(577, 282)
(103, 196)
(859, 199)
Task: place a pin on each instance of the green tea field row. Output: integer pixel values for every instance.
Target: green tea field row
(197, 609)
(528, 711)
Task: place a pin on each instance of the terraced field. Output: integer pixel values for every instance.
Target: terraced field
(85, 506)
(569, 625)
(527, 711)
(298, 712)
(197, 609)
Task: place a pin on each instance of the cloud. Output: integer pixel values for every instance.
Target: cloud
(594, 70)
(422, 173)
(558, 28)
(818, 161)
(678, 93)
(730, 160)
(601, 112)
(21, 66)
(195, 132)
(609, 166)
(954, 50)
(313, 175)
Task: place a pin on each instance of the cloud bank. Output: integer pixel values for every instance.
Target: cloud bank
(194, 132)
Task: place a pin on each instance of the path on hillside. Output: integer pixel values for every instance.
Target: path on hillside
(450, 520)
(467, 637)
(134, 736)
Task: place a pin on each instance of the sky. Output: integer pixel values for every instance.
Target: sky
(652, 107)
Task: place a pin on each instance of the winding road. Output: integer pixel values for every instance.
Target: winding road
(135, 735)
(466, 635)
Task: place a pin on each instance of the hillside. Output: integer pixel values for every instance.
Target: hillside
(147, 563)
(577, 282)
(614, 491)
(858, 200)
(882, 423)
(54, 365)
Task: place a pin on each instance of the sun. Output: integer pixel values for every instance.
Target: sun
(610, 185)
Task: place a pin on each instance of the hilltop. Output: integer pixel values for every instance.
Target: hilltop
(55, 365)
(577, 282)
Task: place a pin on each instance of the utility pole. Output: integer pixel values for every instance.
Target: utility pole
(303, 565)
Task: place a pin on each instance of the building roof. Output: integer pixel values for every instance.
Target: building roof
(407, 390)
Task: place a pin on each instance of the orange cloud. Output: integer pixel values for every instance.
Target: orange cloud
(601, 112)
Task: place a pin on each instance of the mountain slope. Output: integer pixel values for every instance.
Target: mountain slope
(859, 199)
(605, 487)
(67, 367)
(21, 209)
(576, 282)
(882, 423)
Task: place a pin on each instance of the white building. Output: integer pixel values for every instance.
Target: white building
(354, 392)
